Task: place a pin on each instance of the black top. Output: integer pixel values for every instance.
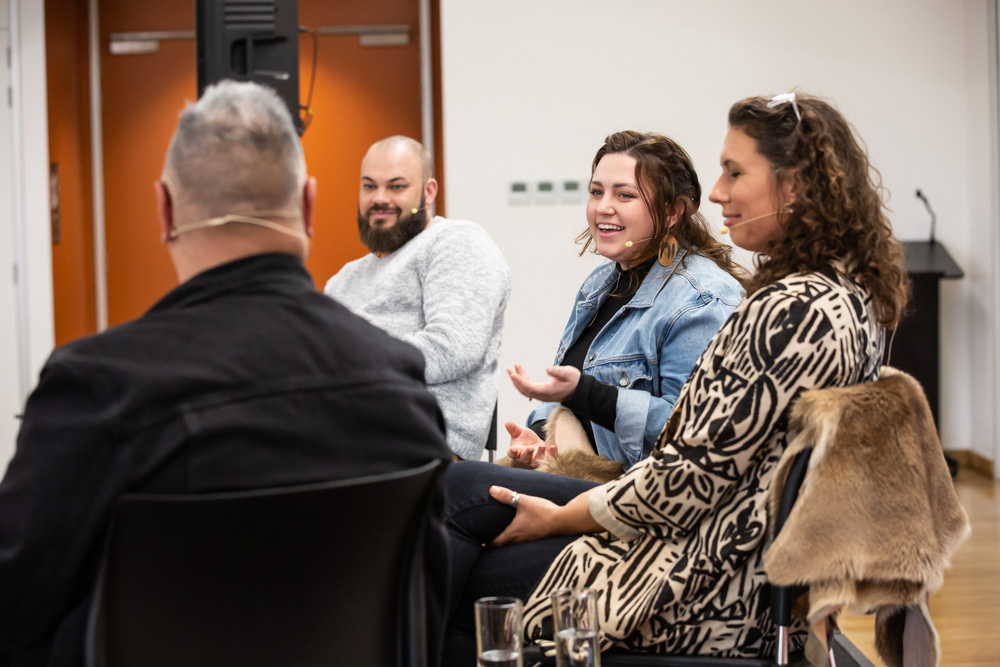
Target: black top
(593, 401)
(243, 377)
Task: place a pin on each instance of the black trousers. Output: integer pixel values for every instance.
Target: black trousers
(473, 519)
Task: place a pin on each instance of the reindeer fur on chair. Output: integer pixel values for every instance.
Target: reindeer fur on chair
(574, 457)
(876, 520)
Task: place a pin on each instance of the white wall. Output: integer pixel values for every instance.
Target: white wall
(10, 395)
(25, 234)
(531, 88)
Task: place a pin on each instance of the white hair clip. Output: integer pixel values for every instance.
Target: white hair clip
(781, 99)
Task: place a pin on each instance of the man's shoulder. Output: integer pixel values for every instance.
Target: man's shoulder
(463, 240)
(449, 229)
(108, 344)
(454, 225)
(323, 332)
(360, 264)
(347, 273)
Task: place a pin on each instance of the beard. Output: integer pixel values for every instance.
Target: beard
(381, 239)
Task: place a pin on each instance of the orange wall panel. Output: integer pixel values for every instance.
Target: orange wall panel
(361, 95)
(69, 148)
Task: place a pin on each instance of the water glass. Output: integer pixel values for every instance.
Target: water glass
(498, 632)
(574, 612)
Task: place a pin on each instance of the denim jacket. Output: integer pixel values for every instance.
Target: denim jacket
(649, 347)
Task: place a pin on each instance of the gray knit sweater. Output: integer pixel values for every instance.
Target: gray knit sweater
(444, 292)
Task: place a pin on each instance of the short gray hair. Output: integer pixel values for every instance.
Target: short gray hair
(236, 147)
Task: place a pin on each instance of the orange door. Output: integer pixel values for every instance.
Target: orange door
(361, 94)
(69, 154)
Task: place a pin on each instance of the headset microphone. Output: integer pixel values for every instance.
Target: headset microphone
(629, 244)
(414, 211)
(725, 230)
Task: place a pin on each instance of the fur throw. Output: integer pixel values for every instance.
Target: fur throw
(877, 519)
(574, 456)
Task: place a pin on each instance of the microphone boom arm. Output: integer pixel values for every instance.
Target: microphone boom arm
(920, 195)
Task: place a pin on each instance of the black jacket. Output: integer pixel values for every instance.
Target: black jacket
(243, 377)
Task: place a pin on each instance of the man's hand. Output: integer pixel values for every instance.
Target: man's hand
(558, 389)
(525, 445)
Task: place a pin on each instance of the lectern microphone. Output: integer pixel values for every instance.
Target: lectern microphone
(920, 195)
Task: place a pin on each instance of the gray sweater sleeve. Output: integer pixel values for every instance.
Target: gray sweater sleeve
(466, 283)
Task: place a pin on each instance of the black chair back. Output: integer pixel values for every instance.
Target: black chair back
(320, 574)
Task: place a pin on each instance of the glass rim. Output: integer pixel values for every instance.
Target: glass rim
(499, 601)
(573, 590)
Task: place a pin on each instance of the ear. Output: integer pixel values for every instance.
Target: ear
(164, 210)
(431, 191)
(791, 184)
(308, 205)
(674, 213)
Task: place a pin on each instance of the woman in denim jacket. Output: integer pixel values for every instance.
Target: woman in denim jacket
(641, 320)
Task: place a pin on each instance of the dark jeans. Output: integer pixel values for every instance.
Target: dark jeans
(477, 570)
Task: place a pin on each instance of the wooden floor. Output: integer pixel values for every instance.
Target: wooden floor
(966, 611)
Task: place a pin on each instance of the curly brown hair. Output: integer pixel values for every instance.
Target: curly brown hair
(666, 178)
(837, 214)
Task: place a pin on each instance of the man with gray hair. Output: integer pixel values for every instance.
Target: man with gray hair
(441, 285)
(242, 377)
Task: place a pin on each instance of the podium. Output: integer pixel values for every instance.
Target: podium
(916, 348)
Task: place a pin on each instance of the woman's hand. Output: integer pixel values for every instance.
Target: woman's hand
(558, 389)
(537, 517)
(533, 520)
(525, 445)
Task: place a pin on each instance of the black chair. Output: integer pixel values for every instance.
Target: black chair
(491, 437)
(320, 574)
(781, 602)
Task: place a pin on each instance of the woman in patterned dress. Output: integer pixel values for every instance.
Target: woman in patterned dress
(676, 544)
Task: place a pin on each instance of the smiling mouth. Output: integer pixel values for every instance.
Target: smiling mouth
(607, 227)
(381, 214)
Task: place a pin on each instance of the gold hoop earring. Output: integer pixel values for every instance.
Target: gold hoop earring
(668, 250)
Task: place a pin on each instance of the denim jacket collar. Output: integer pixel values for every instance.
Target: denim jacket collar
(595, 289)
(603, 281)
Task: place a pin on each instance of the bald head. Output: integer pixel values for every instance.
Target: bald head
(404, 150)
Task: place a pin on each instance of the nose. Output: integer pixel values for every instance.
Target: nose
(607, 205)
(718, 194)
(381, 196)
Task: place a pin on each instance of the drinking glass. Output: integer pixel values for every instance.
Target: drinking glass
(498, 632)
(574, 612)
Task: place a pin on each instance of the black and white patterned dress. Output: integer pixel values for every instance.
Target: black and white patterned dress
(681, 569)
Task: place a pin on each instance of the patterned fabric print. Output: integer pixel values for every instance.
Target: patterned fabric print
(692, 582)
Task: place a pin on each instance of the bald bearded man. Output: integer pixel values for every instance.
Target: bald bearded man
(441, 285)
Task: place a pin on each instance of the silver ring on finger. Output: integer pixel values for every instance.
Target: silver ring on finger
(515, 498)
